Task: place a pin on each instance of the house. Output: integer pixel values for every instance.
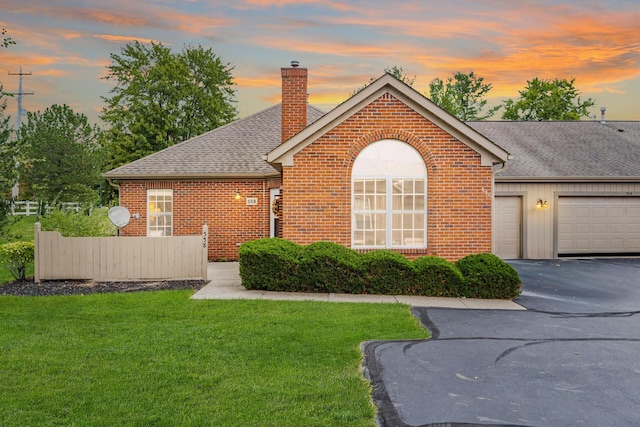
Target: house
(572, 188)
(386, 169)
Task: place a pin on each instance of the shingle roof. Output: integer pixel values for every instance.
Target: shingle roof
(233, 150)
(577, 149)
(540, 150)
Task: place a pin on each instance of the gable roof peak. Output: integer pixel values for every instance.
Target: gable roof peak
(391, 85)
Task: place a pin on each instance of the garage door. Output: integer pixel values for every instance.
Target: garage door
(598, 225)
(508, 227)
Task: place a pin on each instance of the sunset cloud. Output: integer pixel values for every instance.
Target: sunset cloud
(342, 43)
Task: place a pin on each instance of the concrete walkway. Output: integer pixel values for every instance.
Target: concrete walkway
(226, 284)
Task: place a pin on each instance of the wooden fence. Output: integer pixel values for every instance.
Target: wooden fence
(119, 258)
(28, 208)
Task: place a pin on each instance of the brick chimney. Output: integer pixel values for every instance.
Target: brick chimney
(294, 100)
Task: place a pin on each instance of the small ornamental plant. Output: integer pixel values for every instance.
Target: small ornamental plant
(15, 257)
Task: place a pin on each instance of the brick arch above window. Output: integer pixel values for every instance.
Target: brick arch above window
(396, 134)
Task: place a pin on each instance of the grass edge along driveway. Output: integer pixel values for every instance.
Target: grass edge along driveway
(161, 359)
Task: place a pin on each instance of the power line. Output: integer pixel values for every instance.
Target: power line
(15, 191)
(20, 93)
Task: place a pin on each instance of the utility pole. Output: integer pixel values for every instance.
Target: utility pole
(15, 191)
(20, 93)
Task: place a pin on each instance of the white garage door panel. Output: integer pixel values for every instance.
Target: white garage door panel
(598, 225)
(508, 227)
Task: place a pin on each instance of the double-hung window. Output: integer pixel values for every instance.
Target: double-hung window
(159, 213)
(389, 183)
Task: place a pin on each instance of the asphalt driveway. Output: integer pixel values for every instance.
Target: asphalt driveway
(571, 359)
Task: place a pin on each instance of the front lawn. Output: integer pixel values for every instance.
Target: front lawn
(161, 359)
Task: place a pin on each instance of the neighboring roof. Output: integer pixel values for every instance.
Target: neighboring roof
(491, 153)
(233, 150)
(567, 151)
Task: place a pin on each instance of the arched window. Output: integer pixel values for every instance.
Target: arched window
(389, 198)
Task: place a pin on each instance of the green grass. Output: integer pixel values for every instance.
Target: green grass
(160, 359)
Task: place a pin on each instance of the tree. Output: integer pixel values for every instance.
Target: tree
(161, 98)
(462, 95)
(60, 156)
(8, 173)
(395, 71)
(6, 41)
(547, 100)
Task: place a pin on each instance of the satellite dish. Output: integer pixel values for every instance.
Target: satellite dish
(119, 216)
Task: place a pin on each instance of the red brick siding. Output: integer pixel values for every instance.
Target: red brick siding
(196, 203)
(317, 189)
(294, 101)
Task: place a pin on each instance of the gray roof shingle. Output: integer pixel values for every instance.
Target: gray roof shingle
(579, 149)
(545, 150)
(235, 149)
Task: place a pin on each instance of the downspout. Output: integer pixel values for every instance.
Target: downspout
(116, 186)
(493, 202)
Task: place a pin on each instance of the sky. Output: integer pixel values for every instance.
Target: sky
(66, 46)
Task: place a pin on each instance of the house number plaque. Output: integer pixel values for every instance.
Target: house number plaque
(252, 201)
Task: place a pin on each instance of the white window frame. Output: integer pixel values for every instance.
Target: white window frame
(152, 195)
(382, 166)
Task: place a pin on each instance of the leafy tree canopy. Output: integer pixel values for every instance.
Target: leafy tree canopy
(60, 156)
(547, 100)
(161, 98)
(6, 41)
(462, 95)
(395, 71)
(8, 174)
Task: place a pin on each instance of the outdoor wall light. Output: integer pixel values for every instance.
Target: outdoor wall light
(237, 194)
(542, 204)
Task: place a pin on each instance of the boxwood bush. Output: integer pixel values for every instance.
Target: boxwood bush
(487, 276)
(436, 277)
(269, 264)
(329, 267)
(275, 264)
(387, 273)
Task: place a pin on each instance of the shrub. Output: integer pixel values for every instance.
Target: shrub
(487, 276)
(71, 224)
(269, 264)
(15, 257)
(387, 272)
(436, 277)
(329, 267)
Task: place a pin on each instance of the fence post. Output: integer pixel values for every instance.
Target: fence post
(205, 250)
(36, 254)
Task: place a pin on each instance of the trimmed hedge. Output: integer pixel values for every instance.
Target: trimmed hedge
(329, 267)
(275, 264)
(436, 277)
(487, 276)
(387, 273)
(269, 264)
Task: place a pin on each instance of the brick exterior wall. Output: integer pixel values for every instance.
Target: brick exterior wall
(210, 202)
(294, 101)
(317, 189)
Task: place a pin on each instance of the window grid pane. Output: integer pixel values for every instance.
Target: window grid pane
(408, 212)
(160, 212)
(369, 212)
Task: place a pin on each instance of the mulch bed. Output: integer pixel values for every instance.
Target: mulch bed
(84, 287)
